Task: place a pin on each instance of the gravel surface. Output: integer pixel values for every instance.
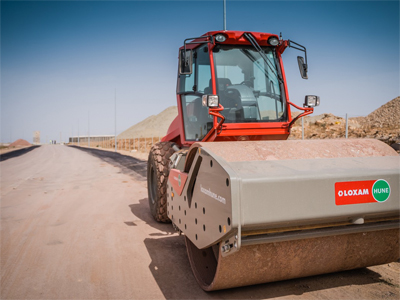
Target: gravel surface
(77, 226)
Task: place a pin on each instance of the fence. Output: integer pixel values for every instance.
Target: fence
(135, 144)
(342, 126)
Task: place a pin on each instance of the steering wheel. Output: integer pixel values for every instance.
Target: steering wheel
(247, 83)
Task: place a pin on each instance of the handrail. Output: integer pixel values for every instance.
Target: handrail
(307, 111)
(216, 113)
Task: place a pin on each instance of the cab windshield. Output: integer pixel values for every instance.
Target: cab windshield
(248, 85)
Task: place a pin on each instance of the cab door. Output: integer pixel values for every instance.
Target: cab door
(191, 87)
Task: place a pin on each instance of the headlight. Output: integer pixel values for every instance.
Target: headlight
(311, 101)
(273, 41)
(210, 100)
(220, 38)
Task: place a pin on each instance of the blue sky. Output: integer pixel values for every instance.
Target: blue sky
(61, 61)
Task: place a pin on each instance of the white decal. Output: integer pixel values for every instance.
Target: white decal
(212, 194)
(355, 192)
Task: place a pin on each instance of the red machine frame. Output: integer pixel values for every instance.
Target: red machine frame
(236, 131)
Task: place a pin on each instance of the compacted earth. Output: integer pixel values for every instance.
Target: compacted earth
(76, 225)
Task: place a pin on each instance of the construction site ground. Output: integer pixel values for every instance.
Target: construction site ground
(75, 224)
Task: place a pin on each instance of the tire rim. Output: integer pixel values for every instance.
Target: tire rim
(153, 184)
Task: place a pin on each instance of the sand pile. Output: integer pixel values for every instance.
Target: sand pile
(388, 116)
(153, 126)
(382, 124)
(20, 142)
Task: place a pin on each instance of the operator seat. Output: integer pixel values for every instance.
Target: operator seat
(230, 99)
(222, 84)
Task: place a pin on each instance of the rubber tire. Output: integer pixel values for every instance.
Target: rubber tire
(157, 177)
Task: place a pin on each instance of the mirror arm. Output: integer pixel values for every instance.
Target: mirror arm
(210, 39)
(306, 111)
(300, 48)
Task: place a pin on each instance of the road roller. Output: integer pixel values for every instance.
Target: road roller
(253, 206)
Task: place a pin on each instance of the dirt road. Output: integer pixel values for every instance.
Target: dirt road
(77, 226)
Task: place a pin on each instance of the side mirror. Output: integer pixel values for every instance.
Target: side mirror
(303, 67)
(185, 62)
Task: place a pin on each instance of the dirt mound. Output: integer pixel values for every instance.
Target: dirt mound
(153, 126)
(329, 119)
(20, 142)
(386, 116)
(382, 124)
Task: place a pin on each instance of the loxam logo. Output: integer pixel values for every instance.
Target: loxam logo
(357, 192)
(353, 192)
